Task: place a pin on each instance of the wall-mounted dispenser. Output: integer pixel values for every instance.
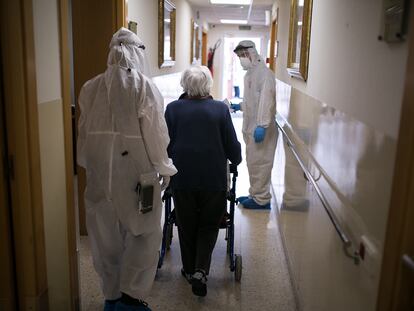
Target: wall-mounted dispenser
(394, 20)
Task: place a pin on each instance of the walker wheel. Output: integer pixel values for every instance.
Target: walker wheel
(238, 266)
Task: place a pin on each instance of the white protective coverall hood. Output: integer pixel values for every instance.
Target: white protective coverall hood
(259, 109)
(122, 136)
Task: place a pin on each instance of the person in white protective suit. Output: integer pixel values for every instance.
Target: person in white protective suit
(259, 125)
(122, 144)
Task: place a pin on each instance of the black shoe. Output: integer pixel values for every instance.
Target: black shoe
(224, 220)
(128, 303)
(187, 276)
(199, 283)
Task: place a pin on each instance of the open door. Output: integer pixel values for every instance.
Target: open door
(91, 37)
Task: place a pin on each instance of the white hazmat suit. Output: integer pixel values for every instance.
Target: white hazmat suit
(259, 110)
(123, 140)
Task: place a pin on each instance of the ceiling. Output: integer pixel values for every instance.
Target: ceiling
(213, 13)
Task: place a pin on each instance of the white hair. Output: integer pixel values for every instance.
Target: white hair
(197, 81)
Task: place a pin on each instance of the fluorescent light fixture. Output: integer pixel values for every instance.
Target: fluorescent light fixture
(233, 21)
(301, 2)
(300, 23)
(167, 20)
(237, 2)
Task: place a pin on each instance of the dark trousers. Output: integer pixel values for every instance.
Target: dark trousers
(199, 214)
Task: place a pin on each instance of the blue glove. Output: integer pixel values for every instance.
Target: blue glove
(259, 134)
(235, 107)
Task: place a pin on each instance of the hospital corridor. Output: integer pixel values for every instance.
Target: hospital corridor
(265, 280)
(206, 155)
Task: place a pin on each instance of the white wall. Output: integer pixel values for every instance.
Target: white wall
(349, 68)
(220, 32)
(47, 50)
(355, 87)
(145, 13)
(52, 151)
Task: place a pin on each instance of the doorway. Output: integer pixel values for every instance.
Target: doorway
(273, 49)
(90, 37)
(204, 49)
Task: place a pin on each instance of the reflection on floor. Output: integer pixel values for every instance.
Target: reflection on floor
(265, 283)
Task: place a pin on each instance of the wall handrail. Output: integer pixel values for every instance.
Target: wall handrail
(338, 228)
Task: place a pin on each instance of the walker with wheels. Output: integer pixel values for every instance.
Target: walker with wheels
(226, 223)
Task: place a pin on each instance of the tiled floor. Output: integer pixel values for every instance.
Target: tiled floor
(265, 283)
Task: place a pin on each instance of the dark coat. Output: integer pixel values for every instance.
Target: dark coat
(202, 139)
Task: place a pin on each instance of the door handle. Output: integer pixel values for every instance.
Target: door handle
(408, 262)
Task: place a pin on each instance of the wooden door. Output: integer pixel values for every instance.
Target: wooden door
(91, 37)
(273, 42)
(204, 49)
(396, 290)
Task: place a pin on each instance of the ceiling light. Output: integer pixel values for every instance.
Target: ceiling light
(238, 2)
(301, 2)
(233, 21)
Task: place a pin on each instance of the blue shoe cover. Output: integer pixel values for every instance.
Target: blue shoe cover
(242, 199)
(110, 305)
(120, 306)
(251, 204)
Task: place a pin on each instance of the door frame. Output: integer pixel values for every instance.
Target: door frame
(21, 114)
(65, 67)
(394, 290)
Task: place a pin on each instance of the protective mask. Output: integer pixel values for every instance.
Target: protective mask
(245, 63)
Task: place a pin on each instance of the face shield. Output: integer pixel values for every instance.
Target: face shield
(246, 51)
(243, 53)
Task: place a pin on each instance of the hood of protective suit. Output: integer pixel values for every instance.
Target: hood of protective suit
(127, 50)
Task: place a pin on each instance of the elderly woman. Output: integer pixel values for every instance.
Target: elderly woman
(202, 140)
